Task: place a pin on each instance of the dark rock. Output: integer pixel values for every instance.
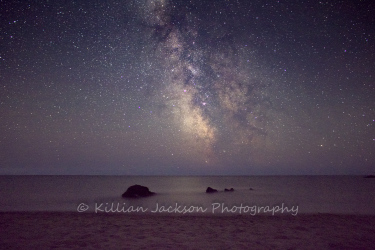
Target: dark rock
(229, 190)
(251, 189)
(370, 176)
(211, 190)
(136, 191)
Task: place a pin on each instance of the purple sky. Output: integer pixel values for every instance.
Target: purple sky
(183, 88)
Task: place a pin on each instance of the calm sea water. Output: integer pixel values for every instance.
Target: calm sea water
(304, 194)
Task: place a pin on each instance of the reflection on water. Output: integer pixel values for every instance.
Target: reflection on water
(312, 194)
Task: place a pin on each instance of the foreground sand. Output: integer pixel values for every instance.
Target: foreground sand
(41, 230)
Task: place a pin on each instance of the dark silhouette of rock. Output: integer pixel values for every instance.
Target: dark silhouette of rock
(211, 190)
(136, 191)
(229, 190)
(370, 176)
(251, 189)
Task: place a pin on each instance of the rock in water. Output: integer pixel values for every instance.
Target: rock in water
(136, 191)
(211, 190)
(229, 190)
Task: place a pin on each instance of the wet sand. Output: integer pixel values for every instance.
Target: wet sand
(40, 230)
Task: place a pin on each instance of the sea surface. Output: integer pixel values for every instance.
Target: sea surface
(253, 195)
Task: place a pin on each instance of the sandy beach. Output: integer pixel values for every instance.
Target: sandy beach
(62, 230)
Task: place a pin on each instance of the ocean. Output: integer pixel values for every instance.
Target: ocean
(253, 195)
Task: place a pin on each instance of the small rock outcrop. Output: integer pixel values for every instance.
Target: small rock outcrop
(229, 190)
(137, 191)
(211, 190)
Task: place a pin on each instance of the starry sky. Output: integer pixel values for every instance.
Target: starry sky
(166, 87)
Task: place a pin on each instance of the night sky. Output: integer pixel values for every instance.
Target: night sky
(158, 87)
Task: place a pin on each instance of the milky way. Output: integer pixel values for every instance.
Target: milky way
(187, 87)
(211, 87)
